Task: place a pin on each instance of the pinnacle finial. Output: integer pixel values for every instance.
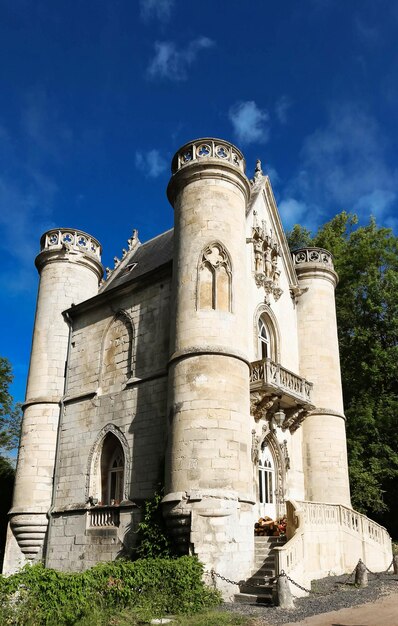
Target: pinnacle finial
(258, 172)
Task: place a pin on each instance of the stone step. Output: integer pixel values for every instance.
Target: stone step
(269, 558)
(260, 592)
(250, 598)
(260, 563)
(264, 570)
(258, 579)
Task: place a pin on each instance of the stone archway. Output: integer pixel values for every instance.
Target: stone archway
(267, 450)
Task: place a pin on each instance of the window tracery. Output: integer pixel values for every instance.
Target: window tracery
(112, 470)
(117, 353)
(215, 279)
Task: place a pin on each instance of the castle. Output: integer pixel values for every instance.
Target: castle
(208, 360)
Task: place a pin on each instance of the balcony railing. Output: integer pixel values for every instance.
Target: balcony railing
(103, 517)
(268, 374)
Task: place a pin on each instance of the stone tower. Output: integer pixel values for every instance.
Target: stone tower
(70, 268)
(208, 497)
(324, 438)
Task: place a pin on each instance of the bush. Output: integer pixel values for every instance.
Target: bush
(151, 587)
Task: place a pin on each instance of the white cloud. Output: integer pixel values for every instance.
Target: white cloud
(343, 166)
(160, 9)
(272, 174)
(250, 123)
(151, 163)
(281, 108)
(27, 192)
(173, 64)
(293, 212)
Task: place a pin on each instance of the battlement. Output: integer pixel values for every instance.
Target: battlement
(208, 148)
(58, 238)
(313, 255)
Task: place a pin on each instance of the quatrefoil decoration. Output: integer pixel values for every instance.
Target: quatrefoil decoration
(203, 150)
(222, 152)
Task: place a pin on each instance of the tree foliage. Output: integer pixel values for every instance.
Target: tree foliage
(366, 259)
(10, 425)
(10, 413)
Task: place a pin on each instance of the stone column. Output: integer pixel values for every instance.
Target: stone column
(209, 499)
(324, 437)
(70, 268)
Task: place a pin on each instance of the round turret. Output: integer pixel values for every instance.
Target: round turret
(70, 269)
(208, 465)
(325, 449)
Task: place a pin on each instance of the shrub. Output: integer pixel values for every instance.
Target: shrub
(151, 587)
(152, 538)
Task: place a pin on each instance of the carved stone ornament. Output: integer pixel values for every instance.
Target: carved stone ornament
(266, 257)
(261, 404)
(294, 417)
(258, 174)
(256, 441)
(285, 454)
(296, 292)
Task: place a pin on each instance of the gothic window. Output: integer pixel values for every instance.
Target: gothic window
(116, 362)
(266, 477)
(112, 470)
(266, 338)
(263, 340)
(214, 279)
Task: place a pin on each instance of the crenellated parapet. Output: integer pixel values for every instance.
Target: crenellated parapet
(313, 255)
(70, 239)
(200, 150)
(315, 263)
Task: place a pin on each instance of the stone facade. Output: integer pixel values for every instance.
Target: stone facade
(207, 360)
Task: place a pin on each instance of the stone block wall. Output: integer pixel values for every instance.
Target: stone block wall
(135, 410)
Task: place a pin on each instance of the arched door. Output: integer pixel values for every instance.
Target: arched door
(266, 483)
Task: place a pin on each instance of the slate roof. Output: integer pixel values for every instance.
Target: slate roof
(145, 258)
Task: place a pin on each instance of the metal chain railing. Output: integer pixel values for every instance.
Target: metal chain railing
(273, 579)
(378, 574)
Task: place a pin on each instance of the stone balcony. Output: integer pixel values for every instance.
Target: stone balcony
(273, 387)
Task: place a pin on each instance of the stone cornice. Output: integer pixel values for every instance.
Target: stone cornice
(323, 411)
(210, 350)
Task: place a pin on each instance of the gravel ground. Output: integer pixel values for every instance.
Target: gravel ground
(332, 595)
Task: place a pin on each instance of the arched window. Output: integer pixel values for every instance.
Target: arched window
(112, 470)
(264, 343)
(266, 480)
(117, 352)
(214, 279)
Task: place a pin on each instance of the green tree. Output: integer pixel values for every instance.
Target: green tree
(10, 425)
(366, 259)
(10, 413)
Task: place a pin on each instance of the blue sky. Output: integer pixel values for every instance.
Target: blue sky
(96, 96)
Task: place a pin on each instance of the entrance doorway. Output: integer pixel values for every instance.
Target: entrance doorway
(266, 483)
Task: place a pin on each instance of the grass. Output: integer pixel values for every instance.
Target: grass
(128, 618)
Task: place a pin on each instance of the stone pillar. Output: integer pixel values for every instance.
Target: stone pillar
(70, 268)
(209, 499)
(324, 437)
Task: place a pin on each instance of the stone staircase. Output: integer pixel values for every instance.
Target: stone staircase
(255, 588)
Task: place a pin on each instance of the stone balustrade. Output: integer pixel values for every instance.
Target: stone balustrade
(71, 239)
(104, 517)
(270, 374)
(207, 148)
(331, 538)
